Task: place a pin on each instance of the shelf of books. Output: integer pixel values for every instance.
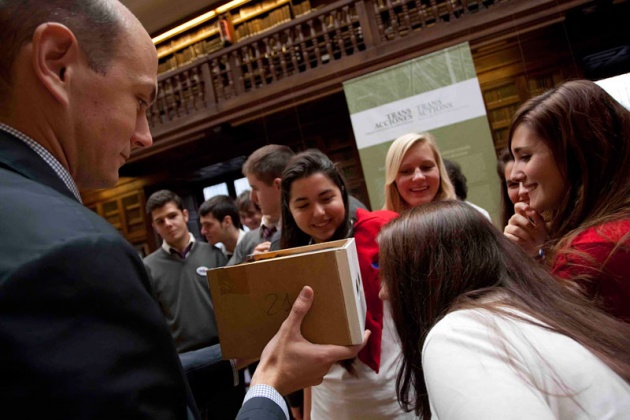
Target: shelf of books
(268, 14)
(504, 97)
(226, 29)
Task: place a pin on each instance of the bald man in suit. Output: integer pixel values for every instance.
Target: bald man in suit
(81, 336)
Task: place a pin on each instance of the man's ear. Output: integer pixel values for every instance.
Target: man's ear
(228, 219)
(277, 183)
(55, 56)
(185, 212)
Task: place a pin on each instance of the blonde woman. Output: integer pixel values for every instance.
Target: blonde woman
(415, 173)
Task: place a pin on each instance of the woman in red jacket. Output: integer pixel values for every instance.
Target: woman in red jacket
(571, 148)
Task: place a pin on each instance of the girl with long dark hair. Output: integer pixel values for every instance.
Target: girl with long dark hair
(486, 334)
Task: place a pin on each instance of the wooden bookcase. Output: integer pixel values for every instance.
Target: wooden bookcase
(515, 69)
(125, 213)
(124, 208)
(399, 17)
(242, 22)
(504, 97)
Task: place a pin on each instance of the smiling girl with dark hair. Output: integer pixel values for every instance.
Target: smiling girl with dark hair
(315, 209)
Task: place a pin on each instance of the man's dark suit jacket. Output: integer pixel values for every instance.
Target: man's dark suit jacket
(80, 334)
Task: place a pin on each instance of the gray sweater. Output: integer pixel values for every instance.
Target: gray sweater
(181, 289)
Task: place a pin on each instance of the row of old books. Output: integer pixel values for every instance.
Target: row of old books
(203, 31)
(246, 11)
(218, 33)
(255, 26)
(505, 93)
(189, 53)
(302, 8)
(503, 115)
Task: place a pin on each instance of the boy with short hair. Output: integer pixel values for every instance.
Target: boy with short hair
(220, 223)
(263, 170)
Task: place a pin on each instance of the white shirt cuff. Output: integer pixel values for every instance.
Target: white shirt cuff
(267, 391)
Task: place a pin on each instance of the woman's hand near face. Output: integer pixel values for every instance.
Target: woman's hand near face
(527, 229)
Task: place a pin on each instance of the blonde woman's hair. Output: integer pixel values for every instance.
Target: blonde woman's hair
(395, 156)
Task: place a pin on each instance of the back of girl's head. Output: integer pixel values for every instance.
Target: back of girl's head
(429, 257)
(588, 133)
(507, 208)
(444, 256)
(445, 251)
(427, 261)
(393, 160)
(457, 178)
(303, 165)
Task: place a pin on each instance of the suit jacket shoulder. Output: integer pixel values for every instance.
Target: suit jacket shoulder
(36, 219)
(77, 314)
(18, 158)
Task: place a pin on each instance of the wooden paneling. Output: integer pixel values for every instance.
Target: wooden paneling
(512, 70)
(124, 208)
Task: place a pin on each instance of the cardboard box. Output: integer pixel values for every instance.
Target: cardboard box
(251, 300)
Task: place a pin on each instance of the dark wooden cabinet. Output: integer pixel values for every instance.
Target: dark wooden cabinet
(504, 97)
(513, 69)
(124, 208)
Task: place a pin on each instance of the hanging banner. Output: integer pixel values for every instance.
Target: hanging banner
(437, 93)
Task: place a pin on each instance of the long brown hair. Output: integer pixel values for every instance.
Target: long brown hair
(444, 256)
(588, 133)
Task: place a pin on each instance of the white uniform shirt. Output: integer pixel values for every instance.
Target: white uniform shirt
(547, 375)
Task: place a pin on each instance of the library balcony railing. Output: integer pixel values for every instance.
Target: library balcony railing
(300, 59)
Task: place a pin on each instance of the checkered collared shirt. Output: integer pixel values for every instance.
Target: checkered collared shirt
(267, 392)
(48, 158)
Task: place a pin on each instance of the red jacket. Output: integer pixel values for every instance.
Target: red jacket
(599, 258)
(366, 229)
